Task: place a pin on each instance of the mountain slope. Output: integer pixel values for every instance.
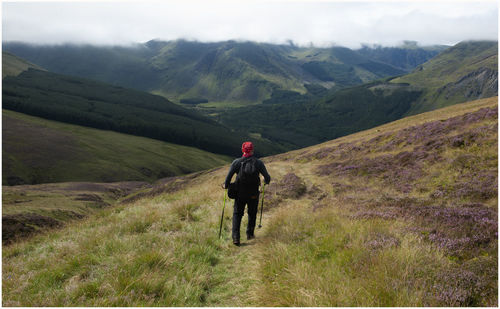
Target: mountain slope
(344, 112)
(119, 66)
(13, 65)
(35, 150)
(464, 72)
(400, 215)
(102, 106)
(236, 73)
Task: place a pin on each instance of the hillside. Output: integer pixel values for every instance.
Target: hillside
(344, 112)
(465, 72)
(400, 215)
(13, 65)
(35, 150)
(28, 210)
(226, 73)
(461, 73)
(102, 106)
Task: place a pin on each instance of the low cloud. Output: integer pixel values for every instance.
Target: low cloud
(321, 23)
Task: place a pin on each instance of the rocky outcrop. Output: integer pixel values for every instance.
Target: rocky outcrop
(479, 84)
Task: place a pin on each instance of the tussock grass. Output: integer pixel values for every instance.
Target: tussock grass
(355, 239)
(323, 260)
(162, 251)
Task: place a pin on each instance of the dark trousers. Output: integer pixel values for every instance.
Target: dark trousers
(239, 210)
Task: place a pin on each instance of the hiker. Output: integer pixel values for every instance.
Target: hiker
(248, 169)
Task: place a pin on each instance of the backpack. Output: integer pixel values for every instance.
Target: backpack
(249, 174)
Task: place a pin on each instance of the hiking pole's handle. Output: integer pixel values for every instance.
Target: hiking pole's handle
(222, 217)
(262, 205)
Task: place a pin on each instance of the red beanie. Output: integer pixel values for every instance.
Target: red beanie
(246, 148)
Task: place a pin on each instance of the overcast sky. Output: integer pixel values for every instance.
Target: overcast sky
(322, 23)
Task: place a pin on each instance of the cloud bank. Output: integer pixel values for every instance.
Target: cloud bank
(321, 23)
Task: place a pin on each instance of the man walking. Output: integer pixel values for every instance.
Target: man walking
(248, 169)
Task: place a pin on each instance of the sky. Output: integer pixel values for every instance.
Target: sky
(320, 23)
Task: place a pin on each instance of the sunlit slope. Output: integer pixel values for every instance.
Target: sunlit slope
(35, 150)
(13, 65)
(464, 72)
(400, 215)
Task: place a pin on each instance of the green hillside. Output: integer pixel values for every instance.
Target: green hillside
(402, 215)
(35, 150)
(227, 74)
(308, 120)
(464, 72)
(13, 65)
(102, 106)
(119, 66)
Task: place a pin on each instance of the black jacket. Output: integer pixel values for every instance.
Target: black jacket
(235, 168)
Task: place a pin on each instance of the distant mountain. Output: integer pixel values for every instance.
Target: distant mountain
(233, 72)
(405, 57)
(36, 150)
(464, 72)
(119, 66)
(461, 73)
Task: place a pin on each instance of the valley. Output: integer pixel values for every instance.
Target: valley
(235, 72)
(376, 121)
(375, 125)
(403, 214)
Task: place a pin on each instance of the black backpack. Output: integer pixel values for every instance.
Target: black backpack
(249, 173)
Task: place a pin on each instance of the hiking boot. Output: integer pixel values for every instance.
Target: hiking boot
(250, 237)
(236, 242)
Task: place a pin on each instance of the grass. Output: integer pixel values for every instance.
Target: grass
(13, 65)
(74, 153)
(33, 209)
(448, 68)
(323, 260)
(351, 239)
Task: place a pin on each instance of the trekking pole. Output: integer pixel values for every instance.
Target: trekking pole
(262, 205)
(222, 217)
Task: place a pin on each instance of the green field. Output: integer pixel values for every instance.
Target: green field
(400, 215)
(36, 150)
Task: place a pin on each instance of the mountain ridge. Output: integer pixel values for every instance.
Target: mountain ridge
(240, 72)
(465, 72)
(455, 75)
